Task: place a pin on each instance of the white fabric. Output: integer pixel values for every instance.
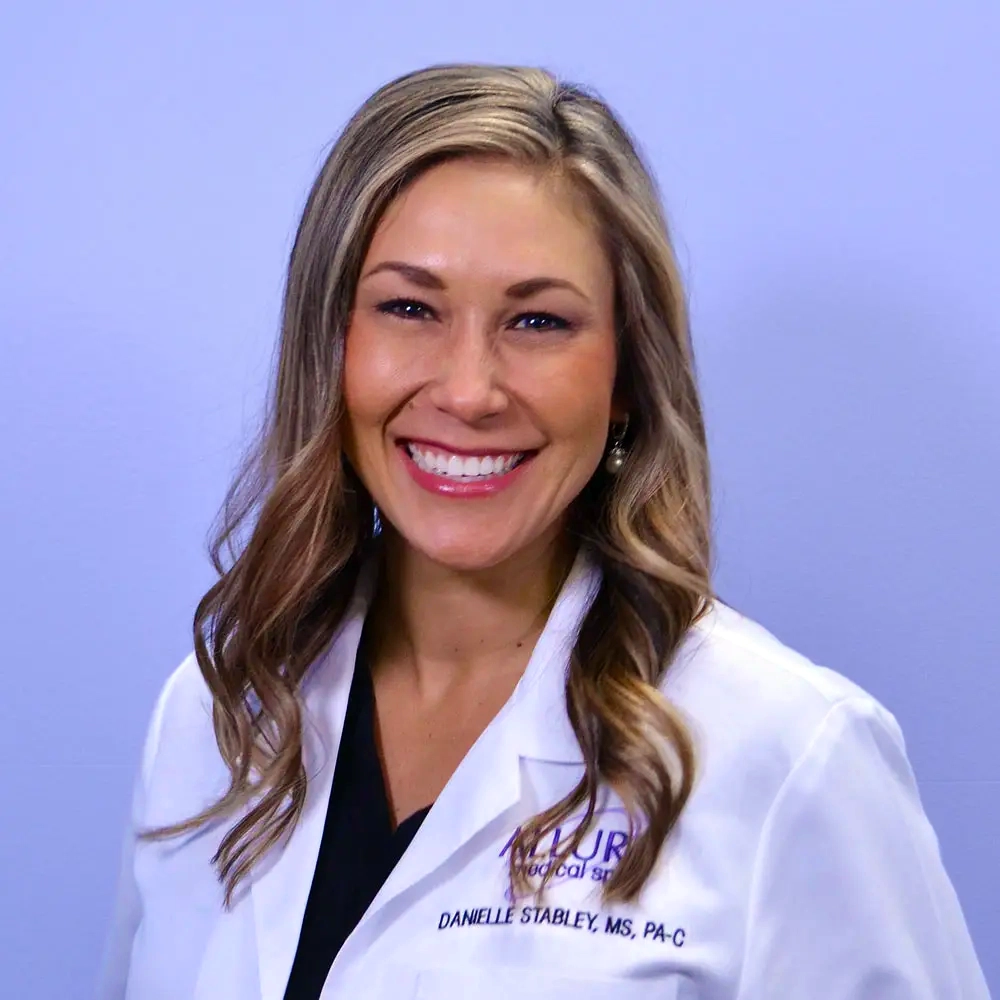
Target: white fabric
(803, 868)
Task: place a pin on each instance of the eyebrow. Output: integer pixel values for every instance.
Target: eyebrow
(428, 279)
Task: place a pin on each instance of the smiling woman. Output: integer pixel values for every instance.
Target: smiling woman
(464, 364)
(464, 714)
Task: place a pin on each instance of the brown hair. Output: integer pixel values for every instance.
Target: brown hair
(297, 523)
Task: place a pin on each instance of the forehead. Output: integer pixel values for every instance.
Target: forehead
(493, 216)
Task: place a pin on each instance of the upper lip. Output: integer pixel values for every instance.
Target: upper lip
(450, 449)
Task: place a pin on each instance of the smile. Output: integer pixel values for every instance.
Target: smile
(438, 469)
(463, 468)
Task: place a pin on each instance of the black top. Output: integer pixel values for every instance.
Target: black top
(359, 848)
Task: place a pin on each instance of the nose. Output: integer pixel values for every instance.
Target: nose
(468, 386)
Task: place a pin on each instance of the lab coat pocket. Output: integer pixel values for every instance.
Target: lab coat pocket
(505, 982)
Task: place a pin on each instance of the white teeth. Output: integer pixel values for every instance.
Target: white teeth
(464, 468)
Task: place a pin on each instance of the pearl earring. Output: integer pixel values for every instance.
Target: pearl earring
(617, 455)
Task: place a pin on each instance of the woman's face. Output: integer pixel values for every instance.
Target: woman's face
(480, 362)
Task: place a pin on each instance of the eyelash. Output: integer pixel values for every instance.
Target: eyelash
(400, 308)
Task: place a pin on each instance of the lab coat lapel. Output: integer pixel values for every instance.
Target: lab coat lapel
(281, 887)
(487, 784)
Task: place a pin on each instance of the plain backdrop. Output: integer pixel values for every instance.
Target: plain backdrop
(831, 172)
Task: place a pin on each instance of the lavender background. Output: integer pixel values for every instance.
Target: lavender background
(831, 170)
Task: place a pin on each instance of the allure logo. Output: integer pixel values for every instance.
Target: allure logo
(596, 856)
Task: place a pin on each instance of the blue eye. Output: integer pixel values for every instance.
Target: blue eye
(406, 309)
(540, 322)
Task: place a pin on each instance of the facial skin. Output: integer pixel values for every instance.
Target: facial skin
(446, 353)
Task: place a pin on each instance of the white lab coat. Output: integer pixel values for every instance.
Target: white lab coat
(803, 867)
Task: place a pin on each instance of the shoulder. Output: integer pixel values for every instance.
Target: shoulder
(726, 634)
(806, 781)
(756, 706)
(182, 769)
(184, 705)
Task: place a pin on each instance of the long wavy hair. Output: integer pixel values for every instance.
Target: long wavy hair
(297, 524)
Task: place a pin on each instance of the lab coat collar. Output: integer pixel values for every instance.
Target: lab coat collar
(483, 789)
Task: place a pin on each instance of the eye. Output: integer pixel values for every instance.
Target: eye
(406, 309)
(540, 322)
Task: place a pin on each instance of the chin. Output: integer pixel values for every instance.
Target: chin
(463, 556)
(464, 551)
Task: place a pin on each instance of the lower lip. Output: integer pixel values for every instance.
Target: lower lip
(470, 489)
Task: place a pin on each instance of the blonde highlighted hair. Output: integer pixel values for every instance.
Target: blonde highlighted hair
(297, 523)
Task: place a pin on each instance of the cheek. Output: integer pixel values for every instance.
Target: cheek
(365, 397)
(373, 379)
(578, 399)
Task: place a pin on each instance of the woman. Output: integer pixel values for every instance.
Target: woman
(464, 716)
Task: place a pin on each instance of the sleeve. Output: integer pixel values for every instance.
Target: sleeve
(850, 899)
(127, 911)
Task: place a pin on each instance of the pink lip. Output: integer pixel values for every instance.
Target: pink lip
(444, 486)
(449, 449)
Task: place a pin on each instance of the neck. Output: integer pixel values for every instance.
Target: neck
(445, 623)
